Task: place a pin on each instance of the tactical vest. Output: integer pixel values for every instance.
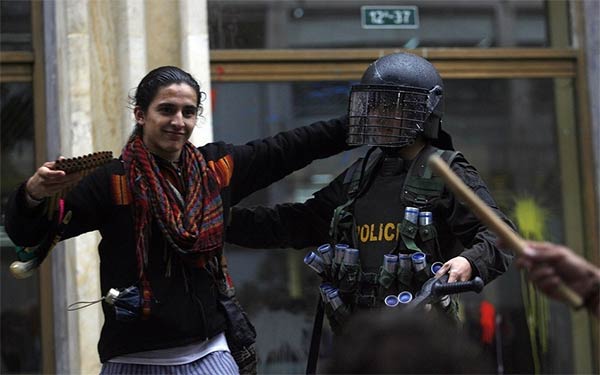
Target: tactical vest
(421, 187)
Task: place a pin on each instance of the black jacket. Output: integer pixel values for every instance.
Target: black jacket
(185, 309)
(300, 225)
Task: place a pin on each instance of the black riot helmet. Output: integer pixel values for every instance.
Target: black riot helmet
(400, 97)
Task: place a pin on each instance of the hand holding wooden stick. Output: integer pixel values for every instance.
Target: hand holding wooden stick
(74, 169)
(509, 237)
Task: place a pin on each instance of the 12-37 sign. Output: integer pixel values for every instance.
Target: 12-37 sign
(389, 17)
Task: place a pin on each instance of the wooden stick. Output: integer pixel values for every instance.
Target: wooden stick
(491, 220)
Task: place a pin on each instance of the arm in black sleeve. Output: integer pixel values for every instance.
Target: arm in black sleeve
(296, 225)
(487, 259)
(25, 225)
(259, 163)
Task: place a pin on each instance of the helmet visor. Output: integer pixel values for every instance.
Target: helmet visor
(386, 116)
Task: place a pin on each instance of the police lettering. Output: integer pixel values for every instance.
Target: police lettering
(380, 232)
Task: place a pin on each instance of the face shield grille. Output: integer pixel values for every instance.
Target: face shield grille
(387, 116)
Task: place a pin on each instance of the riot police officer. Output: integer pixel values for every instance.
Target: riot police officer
(388, 205)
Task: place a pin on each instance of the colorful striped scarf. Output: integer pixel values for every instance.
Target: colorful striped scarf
(195, 230)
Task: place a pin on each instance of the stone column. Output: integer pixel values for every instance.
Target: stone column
(131, 46)
(76, 138)
(195, 58)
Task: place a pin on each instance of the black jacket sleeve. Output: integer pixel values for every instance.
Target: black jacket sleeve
(26, 226)
(88, 201)
(295, 225)
(480, 248)
(259, 163)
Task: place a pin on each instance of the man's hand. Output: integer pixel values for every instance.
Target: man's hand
(549, 265)
(458, 269)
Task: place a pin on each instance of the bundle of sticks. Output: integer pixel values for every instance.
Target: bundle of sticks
(83, 165)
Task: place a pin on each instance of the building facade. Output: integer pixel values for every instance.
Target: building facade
(522, 104)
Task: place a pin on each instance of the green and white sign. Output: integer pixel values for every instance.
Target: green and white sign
(389, 17)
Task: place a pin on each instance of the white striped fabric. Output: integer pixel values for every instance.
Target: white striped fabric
(215, 363)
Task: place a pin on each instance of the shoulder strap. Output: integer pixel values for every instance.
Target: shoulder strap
(421, 184)
(352, 176)
(360, 172)
(356, 178)
(449, 155)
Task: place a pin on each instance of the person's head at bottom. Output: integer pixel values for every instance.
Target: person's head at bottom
(392, 341)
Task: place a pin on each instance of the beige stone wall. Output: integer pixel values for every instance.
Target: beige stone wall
(104, 48)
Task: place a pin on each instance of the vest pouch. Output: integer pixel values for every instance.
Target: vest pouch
(367, 294)
(337, 318)
(349, 273)
(408, 232)
(342, 225)
(427, 232)
(240, 335)
(340, 316)
(386, 278)
(449, 309)
(240, 330)
(337, 311)
(405, 278)
(422, 191)
(422, 275)
(349, 276)
(429, 243)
